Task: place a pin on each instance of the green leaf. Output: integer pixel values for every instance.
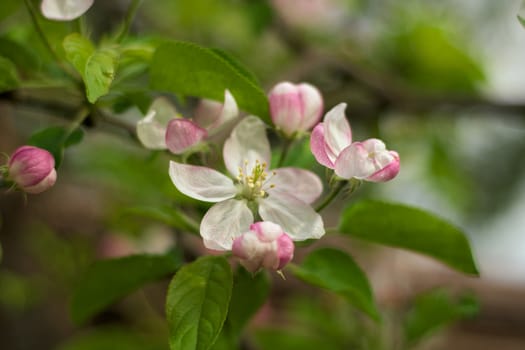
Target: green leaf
(249, 294)
(272, 339)
(189, 69)
(336, 271)
(165, 214)
(7, 7)
(19, 54)
(410, 228)
(96, 66)
(434, 310)
(197, 303)
(106, 281)
(55, 139)
(110, 338)
(8, 75)
(233, 61)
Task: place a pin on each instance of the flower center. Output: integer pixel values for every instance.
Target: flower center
(252, 183)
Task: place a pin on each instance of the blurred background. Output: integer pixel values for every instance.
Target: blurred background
(442, 82)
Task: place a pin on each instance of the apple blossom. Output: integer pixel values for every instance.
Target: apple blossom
(282, 196)
(32, 169)
(295, 108)
(64, 10)
(265, 245)
(163, 128)
(331, 144)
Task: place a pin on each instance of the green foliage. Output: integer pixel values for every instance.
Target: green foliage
(96, 66)
(336, 271)
(435, 309)
(56, 139)
(106, 281)
(189, 69)
(410, 228)
(19, 54)
(113, 338)
(7, 7)
(8, 75)
(164, 214)
(197, 303)
(272, 339)
(426, 56)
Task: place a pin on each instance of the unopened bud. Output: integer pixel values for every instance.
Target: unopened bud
(32, 169)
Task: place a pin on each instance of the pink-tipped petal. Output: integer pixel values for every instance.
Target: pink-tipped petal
(183, 134)
(64, 10)
(337, 132)
(43, 185)
(224, 222)
(354, 162)
(296, 217)
(246, 145)
(201, 183)
(286, 107)
(313, 105)
(300, 183)
(266, 231)
(319, 148)
(388, 172)
(285, 250)
(211, 114)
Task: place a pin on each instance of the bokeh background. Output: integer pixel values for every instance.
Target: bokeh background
(442, 82)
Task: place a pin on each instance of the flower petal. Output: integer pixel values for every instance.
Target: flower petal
(296, 217)
(164, 110)
(318, 146)
(338, 134)
(247, 143)
(300, 183)
(211, 114)
(201, 183)
(388, 172)
(64, 10)
(312, 105)
(182, 134)
(286, 107)
(151, 133)
(224, 222)
(354, 162)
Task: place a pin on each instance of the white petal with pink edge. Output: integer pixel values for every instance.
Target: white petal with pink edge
(319, 148)
(151, 133)
(302, 184)
(246, 145)
(312, 105)
(296, 217)
(201, 183)
(224, 222)
(64, 10)
(337, 132)
(354, 162)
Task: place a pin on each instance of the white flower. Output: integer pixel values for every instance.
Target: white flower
(282, 196)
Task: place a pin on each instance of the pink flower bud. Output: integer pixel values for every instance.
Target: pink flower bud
(295, 108)
(61, 10)
(266, 245)
(368, 160)
(182, 134)
(32, 169)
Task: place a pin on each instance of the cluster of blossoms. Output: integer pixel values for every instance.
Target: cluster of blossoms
(30, 169)
(258, 211)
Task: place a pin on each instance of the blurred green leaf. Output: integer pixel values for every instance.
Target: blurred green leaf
(19, 54)
(113, 338)
(189, 69)
(8, 75)
(7, 7)
(233, 61)
(96, 66)
(410, 228)
(272, 339)
(522, 20)
(55, 139)
(435, 309)
(165, 214)
(197, 303)
(336, 271)
(106, 281)
(426, 56)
